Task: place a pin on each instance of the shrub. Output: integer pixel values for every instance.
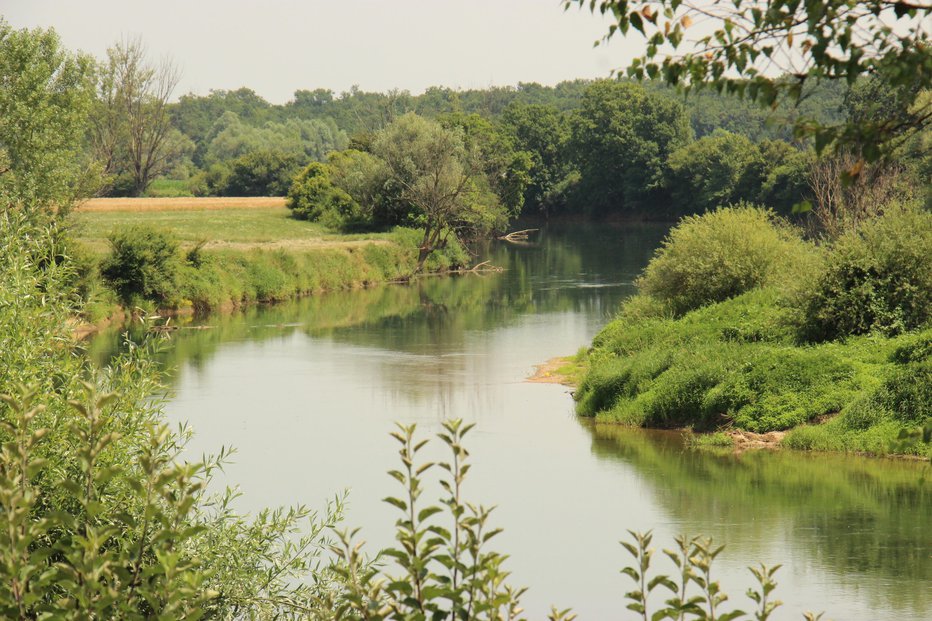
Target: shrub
(721, 254)
(143, 264)
(314, 197)
(261, 173)
(876, 277)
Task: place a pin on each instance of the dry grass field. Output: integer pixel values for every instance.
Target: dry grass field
(220, 223)
(184, 203)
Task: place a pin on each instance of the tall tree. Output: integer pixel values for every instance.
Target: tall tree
(45, 94)
(132, 129)
(543, 131)
(622, 137)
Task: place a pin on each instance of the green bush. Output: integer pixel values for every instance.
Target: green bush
(721, 254)
(314, 197)
(261, 173)
(876, 277)
(143, 265)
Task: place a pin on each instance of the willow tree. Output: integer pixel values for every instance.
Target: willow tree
(442, 180)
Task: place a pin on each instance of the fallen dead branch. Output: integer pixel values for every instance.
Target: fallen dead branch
(517, 237)
(485, 266)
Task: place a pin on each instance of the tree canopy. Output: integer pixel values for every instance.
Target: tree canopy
(769, 51)
(45, 94)
(622, 137)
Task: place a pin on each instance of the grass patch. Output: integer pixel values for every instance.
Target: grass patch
(167, 188)
(231, 225)
(737, 364)
(716, 439)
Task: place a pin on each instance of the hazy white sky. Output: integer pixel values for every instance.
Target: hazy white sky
(278, 46)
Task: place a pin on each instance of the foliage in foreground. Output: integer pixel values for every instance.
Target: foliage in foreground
(102, 517)
(741, 42)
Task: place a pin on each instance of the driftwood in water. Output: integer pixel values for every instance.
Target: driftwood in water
(485, 266)
(518, 237)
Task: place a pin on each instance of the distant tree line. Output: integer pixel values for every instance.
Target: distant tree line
(603, 148)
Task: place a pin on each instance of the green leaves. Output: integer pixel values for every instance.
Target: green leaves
(446, 571)
(695, 595)
(757, 42)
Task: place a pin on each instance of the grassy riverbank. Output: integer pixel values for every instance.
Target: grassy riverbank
(198, 255)
(765, 353)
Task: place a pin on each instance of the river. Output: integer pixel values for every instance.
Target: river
(308, 392)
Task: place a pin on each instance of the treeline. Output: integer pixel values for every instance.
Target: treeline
(603, 148)
(595, 148)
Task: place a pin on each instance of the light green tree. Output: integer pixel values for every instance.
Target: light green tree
(441, 178)
(45, 94)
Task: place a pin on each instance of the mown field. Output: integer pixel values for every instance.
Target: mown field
(238, 223)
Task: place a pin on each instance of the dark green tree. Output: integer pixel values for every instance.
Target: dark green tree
(543, 131)
(714, 171)
(314, 197)
(622, 137)
(262, 173)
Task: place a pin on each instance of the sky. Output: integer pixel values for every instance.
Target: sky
(278, 46)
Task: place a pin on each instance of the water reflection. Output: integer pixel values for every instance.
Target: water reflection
(868, 522)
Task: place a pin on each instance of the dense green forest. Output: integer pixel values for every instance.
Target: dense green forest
(236, 143)
(604, 148)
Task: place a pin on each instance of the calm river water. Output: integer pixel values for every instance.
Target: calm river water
(308, 392)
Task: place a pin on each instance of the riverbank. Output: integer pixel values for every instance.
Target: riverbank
(741, 326)
(828, 432)
(733, 373)
(193, 256)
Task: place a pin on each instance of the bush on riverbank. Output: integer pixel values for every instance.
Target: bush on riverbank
(878, 277)
(740, 362)
(146, 268)
(724, 253)
(143, 265)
